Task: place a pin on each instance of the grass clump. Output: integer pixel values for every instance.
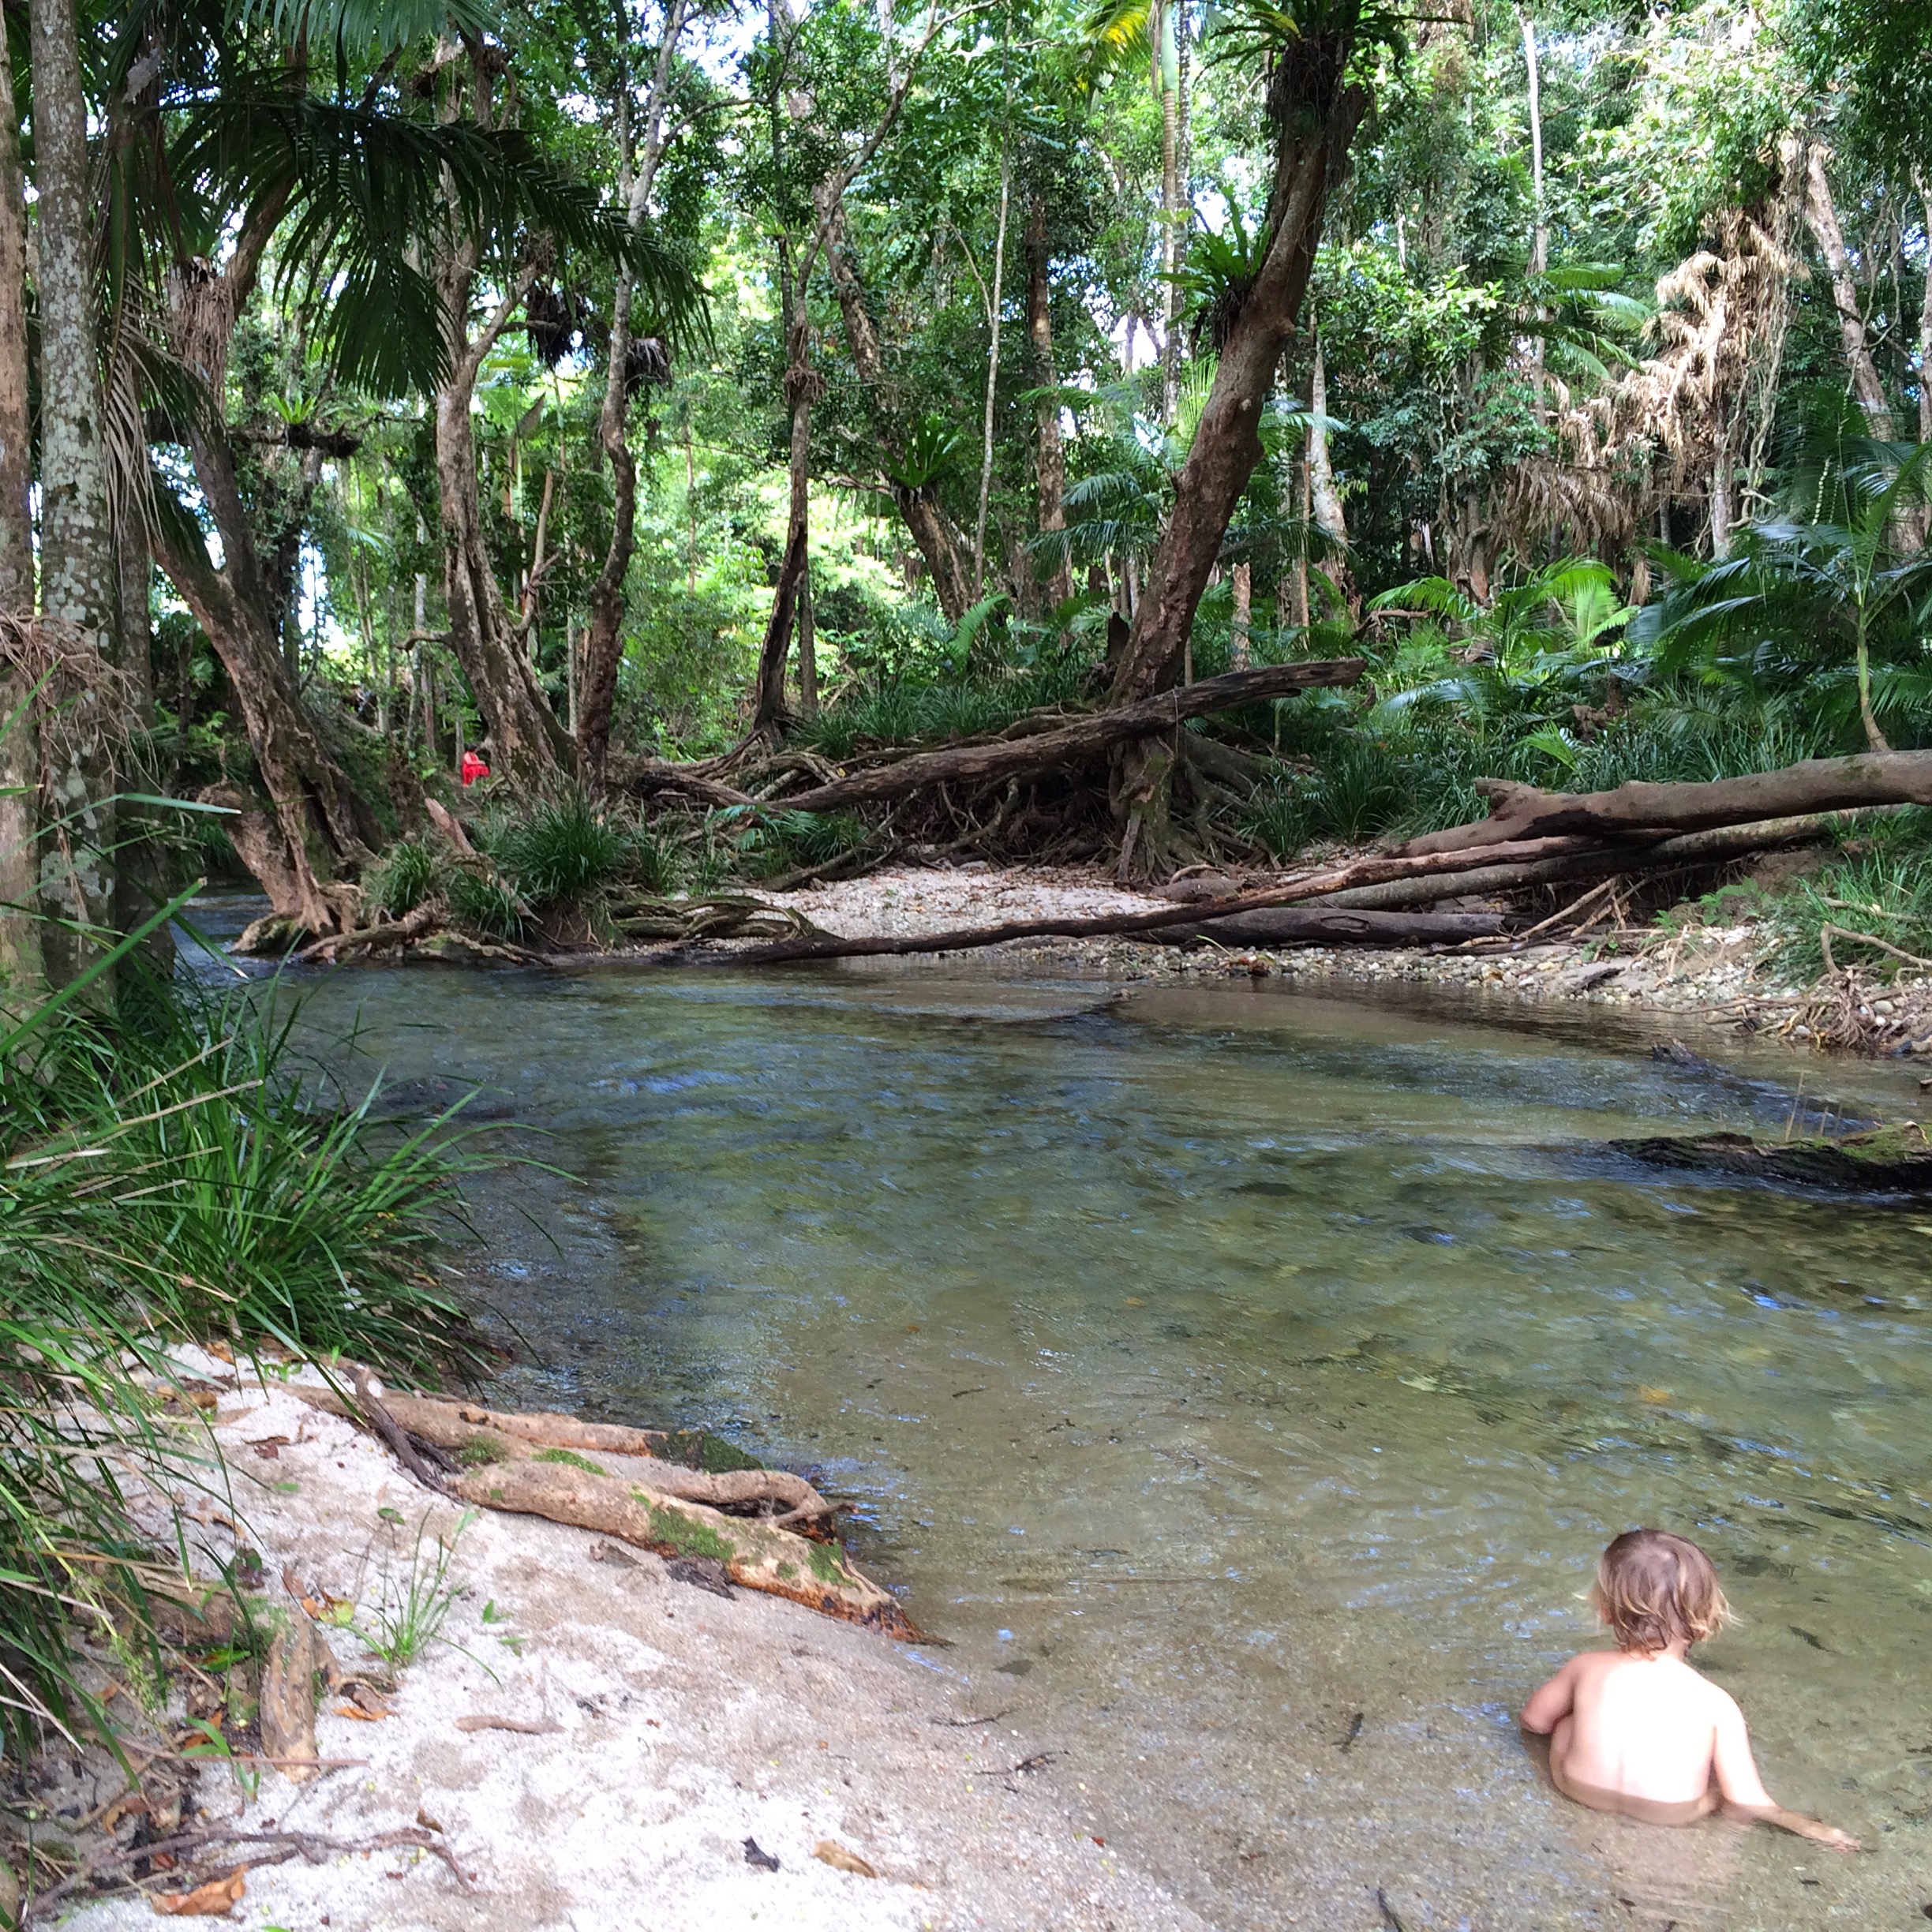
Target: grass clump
(401, 878)
(560, 852)
(481, 903)
(163, 1181)
(1880, 890)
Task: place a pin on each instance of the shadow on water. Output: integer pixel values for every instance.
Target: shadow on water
(1244, 1383)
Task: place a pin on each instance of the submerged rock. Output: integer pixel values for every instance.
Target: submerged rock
(1885, 1160)
(411, 1099)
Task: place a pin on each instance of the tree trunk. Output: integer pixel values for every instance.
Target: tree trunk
(1316, 122)
(316, 824)
(77, 568)
(603, 636)
(1925, 316)
(1160, 22)
(1240, 647)
(994, 300)
(1227, 443)
(1324, 498)
(527, 744)
(593, 704)
(1050, 456)
(1821, 217)
(918, 503)
(768, 713)
(23, 972)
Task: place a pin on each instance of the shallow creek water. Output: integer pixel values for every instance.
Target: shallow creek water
(1243, 1382)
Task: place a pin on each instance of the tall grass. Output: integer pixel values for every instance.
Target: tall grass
(163, 1180)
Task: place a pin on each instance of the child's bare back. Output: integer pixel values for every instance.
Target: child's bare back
(1636, 1729)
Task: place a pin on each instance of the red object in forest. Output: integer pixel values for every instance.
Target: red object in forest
(472, 768)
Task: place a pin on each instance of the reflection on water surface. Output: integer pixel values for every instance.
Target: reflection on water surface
(1244, 1383)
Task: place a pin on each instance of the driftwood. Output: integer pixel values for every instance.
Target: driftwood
(1320, 926)
(288, 1698)
(455, 1425)
(1646, 813)
(635, 1497)
(1081, 740)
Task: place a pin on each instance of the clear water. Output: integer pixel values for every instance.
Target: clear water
(1242, 1383)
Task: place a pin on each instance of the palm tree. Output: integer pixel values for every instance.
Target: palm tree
(1792, 591)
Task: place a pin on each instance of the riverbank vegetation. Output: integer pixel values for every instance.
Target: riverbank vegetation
(167, 1177)
(690, 415)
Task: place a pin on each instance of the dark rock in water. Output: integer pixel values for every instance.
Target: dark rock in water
(1886, 1160)
(412, 1099)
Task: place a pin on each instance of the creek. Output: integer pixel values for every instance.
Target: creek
(1243, 1382)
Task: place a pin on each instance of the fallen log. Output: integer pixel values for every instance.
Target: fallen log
(1642, 811)
(1312, 885)
(1083, 738)
(1288, 926)
(1693, 848)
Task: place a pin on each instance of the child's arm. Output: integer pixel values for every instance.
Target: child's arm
(1744, 1790)
(1553, 1702)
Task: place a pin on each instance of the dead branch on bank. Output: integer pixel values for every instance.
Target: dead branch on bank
(275, 1847)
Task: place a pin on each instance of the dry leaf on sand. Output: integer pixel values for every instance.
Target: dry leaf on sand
(829, 1852)
(216, 1900)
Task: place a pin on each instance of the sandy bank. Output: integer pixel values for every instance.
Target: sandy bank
(684, 1723)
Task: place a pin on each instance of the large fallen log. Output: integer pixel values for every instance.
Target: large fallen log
(1320, 925)
(1079, 741)
(1643, 812)
(1693, 848)
(1292, 892)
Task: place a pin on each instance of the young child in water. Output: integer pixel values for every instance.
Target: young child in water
(1636, 1729)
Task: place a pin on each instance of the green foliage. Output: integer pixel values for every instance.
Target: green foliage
(414, 1599)
(163, 1180)
(480, 903)
(558, 853)
(1278, 818)
(401, 878)
(1880, 886)
(781, 841)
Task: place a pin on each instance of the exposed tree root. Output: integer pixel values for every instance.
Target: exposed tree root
(610, 1479)
(1082, 740)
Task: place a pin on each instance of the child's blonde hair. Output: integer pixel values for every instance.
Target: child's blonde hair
(1654, 1590)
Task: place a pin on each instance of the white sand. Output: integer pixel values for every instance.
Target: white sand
(688, 1723)
(914, 899)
